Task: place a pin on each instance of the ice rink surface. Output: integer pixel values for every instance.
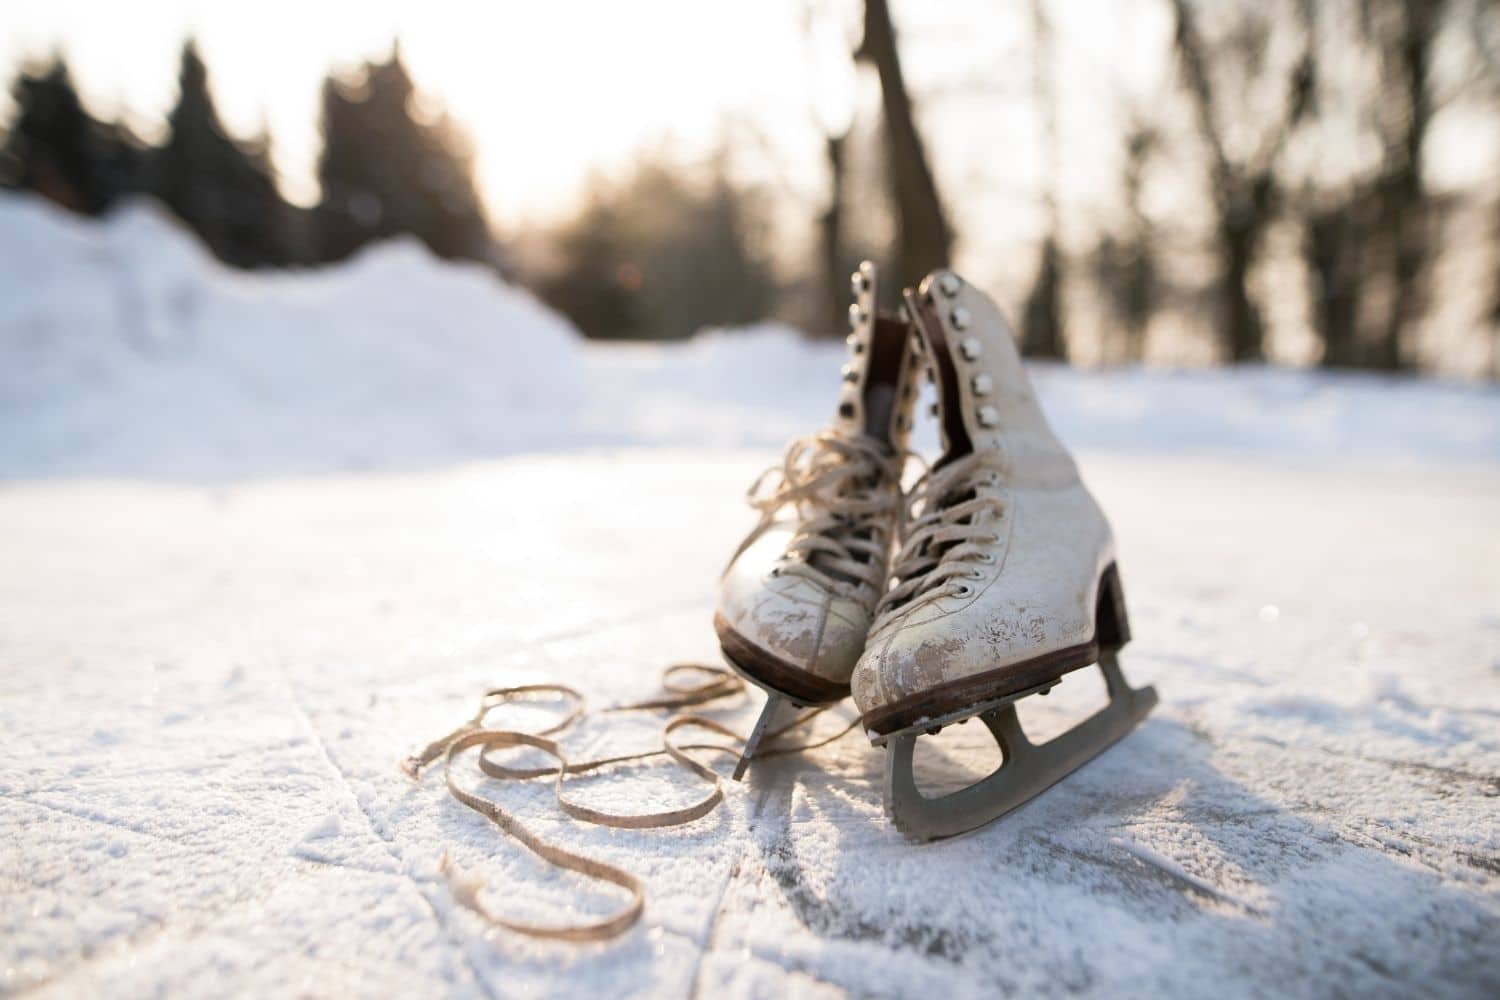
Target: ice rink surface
(206, 692)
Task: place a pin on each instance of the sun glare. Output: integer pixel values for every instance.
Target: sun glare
(547, 92)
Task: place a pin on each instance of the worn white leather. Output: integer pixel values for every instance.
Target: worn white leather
(820, 626)
(1031, 591)
(805, 625)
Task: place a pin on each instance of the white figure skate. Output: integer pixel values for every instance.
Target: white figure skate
(799, 594)
(1005, 581)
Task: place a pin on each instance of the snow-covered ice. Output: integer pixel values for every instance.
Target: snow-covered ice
(265, 535)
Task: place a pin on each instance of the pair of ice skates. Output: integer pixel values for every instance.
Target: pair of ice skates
(1003, 577)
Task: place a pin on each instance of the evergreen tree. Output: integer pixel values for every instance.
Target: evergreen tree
(57, 149)
(222, 188)
(384, 172)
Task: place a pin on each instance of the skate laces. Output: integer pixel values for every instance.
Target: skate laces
(843, 490)
(941, 537)
(466, 886)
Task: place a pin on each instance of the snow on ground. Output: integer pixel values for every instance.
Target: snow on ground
(263, 536)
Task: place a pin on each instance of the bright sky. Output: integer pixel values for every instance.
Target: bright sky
(549, 90)
(555, 89)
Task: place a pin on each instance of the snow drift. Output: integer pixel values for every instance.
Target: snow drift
(125, 350)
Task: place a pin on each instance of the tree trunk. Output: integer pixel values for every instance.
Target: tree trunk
(1331, 252)
(1041, 321)
(1405, 210)
(1243, 334)
(831, 232)
(924, 240)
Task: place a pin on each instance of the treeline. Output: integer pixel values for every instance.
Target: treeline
(384, 170)
(658, 253)
(1293, 139)
(1304, 132)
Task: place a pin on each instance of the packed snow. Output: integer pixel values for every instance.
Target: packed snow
(266, 534)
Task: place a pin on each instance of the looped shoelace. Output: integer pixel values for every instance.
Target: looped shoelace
(466, 886)
(842, 488)
(940, 536)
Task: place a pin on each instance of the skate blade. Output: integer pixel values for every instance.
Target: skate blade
(1027, 770)
(778, 714)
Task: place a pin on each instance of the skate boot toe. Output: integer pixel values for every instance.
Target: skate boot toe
(802, 645)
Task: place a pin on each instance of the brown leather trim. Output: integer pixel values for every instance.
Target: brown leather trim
(774, 672)
(957, 695)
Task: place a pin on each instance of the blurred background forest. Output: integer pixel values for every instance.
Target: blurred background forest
(1232, 181)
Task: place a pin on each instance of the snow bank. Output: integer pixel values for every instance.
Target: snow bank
(126, 351)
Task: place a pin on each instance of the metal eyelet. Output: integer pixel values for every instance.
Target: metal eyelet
(988, 558)
(960, 318)
(983, 384)
(962, 590)
(988, 416)
(948, 284)
(857, 315)
(975, 574)
(970, 348)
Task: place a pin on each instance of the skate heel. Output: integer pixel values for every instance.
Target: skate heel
(1111, 622)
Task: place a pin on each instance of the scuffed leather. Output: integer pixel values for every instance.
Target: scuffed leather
(1039, 592)
(790, 617)
(809, 627)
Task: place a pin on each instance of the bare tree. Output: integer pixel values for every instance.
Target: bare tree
(1042, 316)
(1368, 243)
(835, 124)
(1125, 266)
(1243, 187)
(923, 237)
(1334, 234)
(831, 233)
(1405, 31)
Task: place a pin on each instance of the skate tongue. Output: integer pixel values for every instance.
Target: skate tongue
(873, 369)
(955, 435)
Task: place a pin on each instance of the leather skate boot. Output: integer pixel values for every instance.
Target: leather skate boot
(800, 593)
(1005, 581)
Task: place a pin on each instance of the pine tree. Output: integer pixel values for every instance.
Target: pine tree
(57, 149)
(384, 172)
(222, 188)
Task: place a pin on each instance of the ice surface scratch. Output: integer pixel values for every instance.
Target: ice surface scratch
(1180, 874)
